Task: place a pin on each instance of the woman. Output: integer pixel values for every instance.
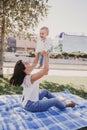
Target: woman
(32, 100)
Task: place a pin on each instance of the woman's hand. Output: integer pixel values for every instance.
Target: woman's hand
(44, 53)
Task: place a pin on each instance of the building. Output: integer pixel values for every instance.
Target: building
(73, 43)
(26, 44)
(11, 44)
(21, 44)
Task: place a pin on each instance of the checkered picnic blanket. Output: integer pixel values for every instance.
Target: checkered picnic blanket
(14, 117)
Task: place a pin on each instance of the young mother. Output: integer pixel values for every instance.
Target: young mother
(32, 99)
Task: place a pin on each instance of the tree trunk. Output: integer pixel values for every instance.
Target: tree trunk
(2, 45)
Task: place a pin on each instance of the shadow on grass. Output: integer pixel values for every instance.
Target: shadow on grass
(5, 88)
(85, 128)
(55, 87)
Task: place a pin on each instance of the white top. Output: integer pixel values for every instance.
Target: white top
(43, 45)
(30, 91)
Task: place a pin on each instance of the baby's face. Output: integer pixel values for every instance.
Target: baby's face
(43, 34)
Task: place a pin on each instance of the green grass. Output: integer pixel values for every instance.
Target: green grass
(5, 88)
(76, 82)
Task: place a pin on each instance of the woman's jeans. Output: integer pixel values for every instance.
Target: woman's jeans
(44, 105)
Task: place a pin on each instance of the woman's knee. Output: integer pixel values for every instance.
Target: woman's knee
(45, 91)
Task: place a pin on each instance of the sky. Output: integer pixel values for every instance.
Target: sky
(69, 16)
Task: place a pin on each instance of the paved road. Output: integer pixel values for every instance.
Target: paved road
(12, 57)
(54, 72)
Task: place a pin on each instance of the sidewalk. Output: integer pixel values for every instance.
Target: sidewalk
(55, 72)
(59, 67)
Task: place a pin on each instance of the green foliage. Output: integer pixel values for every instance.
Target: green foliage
(31, 54)
(67, 55)
(22, 15)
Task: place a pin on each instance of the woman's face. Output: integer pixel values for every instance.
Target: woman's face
(27, 67)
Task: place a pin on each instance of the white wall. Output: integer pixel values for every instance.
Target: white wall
(73, 43)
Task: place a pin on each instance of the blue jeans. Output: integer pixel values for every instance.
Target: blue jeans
(41, 59)
(44, 105)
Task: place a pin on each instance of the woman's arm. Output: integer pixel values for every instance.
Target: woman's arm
(34, 62)
(42, 72)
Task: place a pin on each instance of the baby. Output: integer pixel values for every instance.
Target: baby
(43, 43)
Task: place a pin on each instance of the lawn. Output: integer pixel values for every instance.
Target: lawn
(76, 85)
(74, 81)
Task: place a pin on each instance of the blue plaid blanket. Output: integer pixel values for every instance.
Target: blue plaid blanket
(14, 117)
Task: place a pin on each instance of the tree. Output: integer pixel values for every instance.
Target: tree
(19, 16)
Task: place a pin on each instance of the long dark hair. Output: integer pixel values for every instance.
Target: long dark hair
(18, 75)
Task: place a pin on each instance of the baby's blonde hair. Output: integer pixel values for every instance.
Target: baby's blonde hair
(46, 28)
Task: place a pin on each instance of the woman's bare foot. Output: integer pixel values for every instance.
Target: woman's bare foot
(71, 104)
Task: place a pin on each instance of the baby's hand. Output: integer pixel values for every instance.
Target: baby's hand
(44, 53)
